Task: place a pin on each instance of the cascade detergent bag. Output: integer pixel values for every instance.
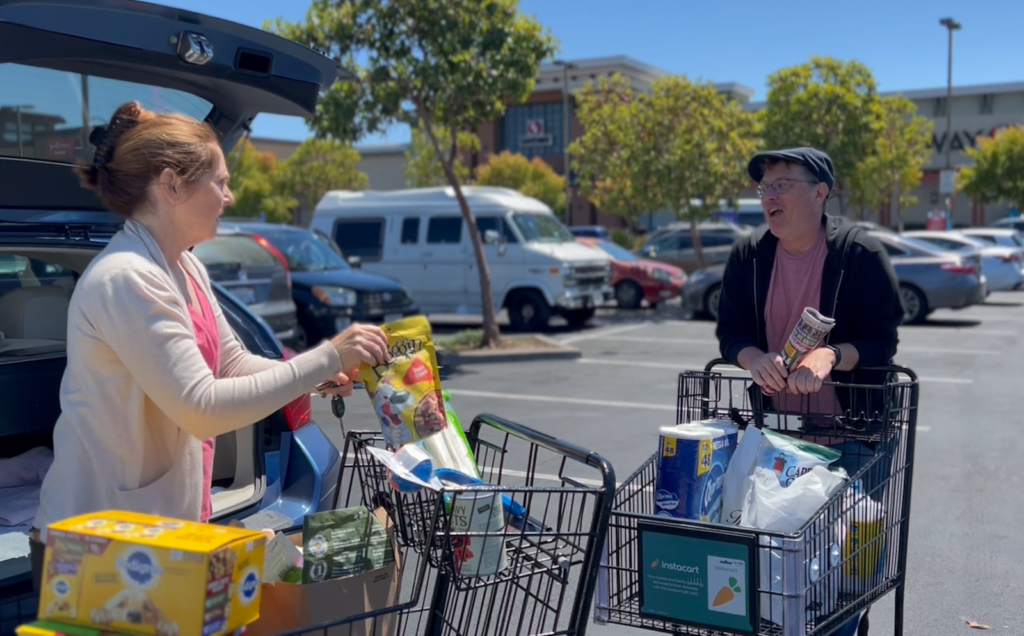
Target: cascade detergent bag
(406, 392)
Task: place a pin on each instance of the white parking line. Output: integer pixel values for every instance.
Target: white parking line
(709, 340)
(959, 331)
(684, 365)
(602, 333)
(952, 352)
(561, 400)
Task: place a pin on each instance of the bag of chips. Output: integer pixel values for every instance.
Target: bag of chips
(406, 392)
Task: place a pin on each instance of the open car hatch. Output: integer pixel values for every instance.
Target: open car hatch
(66, 65)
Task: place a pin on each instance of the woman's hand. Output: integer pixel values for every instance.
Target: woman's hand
(361, 343)
(340, 385)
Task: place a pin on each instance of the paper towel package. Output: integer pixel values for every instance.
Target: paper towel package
(691, 464)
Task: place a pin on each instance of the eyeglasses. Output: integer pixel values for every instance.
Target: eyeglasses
(782, 186)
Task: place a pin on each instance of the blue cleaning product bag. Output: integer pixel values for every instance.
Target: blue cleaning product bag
(691, 465)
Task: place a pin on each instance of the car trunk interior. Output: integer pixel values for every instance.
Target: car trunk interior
(33, 358)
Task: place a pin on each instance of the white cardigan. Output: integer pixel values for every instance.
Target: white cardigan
(137, 396)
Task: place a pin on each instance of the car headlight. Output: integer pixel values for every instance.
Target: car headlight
(662, 275)
(335, 296)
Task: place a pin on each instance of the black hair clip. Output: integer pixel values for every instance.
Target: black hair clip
(97, 138)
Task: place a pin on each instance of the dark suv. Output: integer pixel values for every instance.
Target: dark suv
(329, 294)
(65, 65)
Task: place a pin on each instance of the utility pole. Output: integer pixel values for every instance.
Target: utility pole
(951, 25)
(566, 131)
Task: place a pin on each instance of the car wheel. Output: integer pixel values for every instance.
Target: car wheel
(528, 311)
(915, 307)
(711, 299)
(578, 317)
(628, 295)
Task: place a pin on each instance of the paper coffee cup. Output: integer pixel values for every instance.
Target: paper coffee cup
(477, 556)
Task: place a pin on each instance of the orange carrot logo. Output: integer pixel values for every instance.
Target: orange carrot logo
(727, 593)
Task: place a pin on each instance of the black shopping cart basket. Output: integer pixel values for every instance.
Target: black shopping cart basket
(516, 555)
(689, 577)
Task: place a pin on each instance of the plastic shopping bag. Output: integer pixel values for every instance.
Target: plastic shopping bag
(736, 483)
(770, 506)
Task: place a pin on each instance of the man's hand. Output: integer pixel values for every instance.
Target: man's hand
(811, 370)
(769, 372)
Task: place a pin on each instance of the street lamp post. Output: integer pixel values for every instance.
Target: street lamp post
(951, 25)
(566, 129)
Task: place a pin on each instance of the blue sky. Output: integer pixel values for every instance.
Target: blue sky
(742, 41)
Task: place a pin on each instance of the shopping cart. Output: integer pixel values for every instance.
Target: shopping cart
(530, 568)
(809, 582)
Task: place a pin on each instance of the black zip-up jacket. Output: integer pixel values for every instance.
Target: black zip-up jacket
(858, 289)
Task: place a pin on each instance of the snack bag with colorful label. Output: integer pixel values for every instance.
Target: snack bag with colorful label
(406, 393)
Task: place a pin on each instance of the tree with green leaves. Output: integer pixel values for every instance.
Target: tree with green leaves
(889, 173)
(827, 104)
(253, 175)
(424, 62)
(422, 167)
(699, 145)
(318, 166)
(610, 156)
(998, 171)
(534, 178)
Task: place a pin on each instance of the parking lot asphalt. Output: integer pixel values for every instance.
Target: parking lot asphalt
(967, 513)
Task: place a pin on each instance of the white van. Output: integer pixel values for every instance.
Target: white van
(419, 238)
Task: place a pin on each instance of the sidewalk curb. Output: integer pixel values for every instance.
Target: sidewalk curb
(555, 351)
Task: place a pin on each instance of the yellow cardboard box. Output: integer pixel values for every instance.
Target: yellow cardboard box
(140, 574)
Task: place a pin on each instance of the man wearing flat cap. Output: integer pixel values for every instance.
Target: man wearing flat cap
(807, 258)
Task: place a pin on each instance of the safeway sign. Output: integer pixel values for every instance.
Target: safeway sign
(535, 135)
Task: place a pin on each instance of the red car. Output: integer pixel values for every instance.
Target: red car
(637, 279)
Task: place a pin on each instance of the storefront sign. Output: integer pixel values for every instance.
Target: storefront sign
(535, 135)
(699, 578)
(961, 139)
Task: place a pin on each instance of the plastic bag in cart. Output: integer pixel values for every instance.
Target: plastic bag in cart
(770, 506)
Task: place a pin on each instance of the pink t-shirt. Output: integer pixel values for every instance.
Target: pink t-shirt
(796, 284)
(204, 323)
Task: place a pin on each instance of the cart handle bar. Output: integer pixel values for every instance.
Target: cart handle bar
(894, 368)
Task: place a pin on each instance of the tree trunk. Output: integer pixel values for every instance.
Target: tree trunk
(895, 208)
(491, 336)
(698, 247)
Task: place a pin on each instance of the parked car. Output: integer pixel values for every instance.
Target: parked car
(418, 237)
(638, 279)
(329, 294)
(1002, 237)
(51, 228)
(673, 244)
(931, 278)
(702, 291)
(590, 231)
(256, 274)
(1001, 265)
(1010, 222)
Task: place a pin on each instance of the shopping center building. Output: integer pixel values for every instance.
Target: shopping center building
(536, 129)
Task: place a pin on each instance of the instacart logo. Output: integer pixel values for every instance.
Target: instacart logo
(675, 567)
(727, 593)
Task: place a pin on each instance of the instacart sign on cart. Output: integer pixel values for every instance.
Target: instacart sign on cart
(699, 578)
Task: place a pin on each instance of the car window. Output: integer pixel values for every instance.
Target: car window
(542, 228)
(985, 237)
(48, 114)
(234, 250)
(18, 271)
(717, 239)
(363, 238)
(616, 251)
(684, 241)
(305, 252)
(444, 230)
(410, 230)
(498, 224)
(892, 250)
(668, 242)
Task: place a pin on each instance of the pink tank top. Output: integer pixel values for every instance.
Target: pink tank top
(204, 324)
(796, 284)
